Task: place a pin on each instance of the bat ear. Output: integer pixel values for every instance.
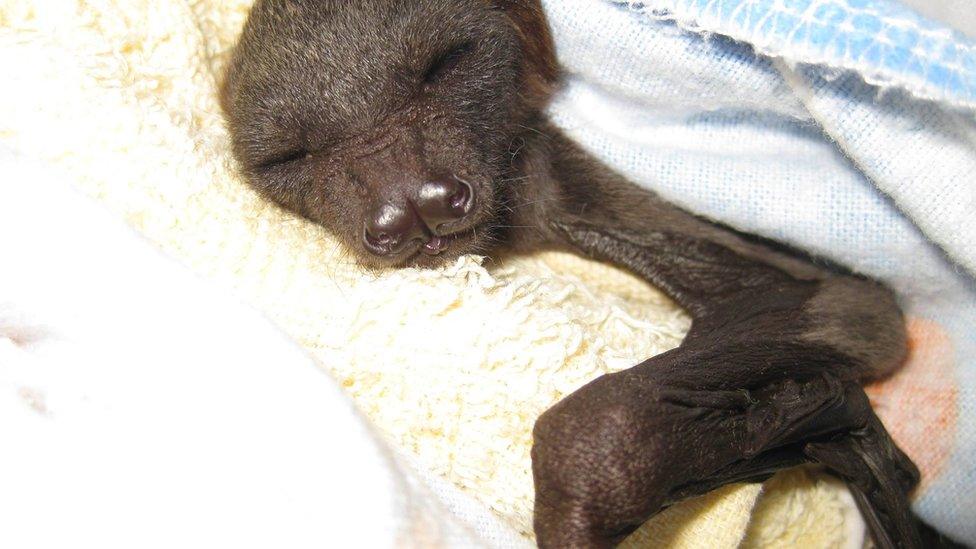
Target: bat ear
(542, 70)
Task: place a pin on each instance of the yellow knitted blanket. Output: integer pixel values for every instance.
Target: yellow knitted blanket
(122, 93)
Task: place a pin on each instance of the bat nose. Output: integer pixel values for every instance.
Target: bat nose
(389, 227)
(435, 207)
(443, 202)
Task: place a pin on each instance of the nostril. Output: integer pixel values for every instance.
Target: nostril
(389, 226)
(376, 243)
(461, 201)
(442, 202)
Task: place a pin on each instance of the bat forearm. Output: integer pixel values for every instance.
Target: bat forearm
(698, 273)
(563, 185)
(726, 280)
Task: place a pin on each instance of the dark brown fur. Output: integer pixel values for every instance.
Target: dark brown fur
(334, 105)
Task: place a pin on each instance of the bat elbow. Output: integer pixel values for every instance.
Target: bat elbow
(862, 319)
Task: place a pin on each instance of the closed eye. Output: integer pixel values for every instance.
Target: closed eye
(443, 65)
(284, 158)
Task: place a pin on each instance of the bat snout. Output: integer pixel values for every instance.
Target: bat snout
(418, 220)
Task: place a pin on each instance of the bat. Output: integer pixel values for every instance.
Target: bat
(416, 132)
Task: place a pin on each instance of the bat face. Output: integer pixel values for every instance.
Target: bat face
(393, 123)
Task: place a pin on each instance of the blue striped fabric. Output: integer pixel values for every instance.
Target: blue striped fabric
(883, 41)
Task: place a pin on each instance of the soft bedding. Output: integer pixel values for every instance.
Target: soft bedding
(118, 98)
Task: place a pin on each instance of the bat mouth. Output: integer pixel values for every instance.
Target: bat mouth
(438, 250)
(436, 245)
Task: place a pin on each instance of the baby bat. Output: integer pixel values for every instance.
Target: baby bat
(415, 131)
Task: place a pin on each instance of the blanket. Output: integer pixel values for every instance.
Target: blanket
(144, 406)
(120, 97)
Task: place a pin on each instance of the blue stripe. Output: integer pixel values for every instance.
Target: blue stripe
(881, 39)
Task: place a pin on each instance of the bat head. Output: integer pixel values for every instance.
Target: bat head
(393, 123)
